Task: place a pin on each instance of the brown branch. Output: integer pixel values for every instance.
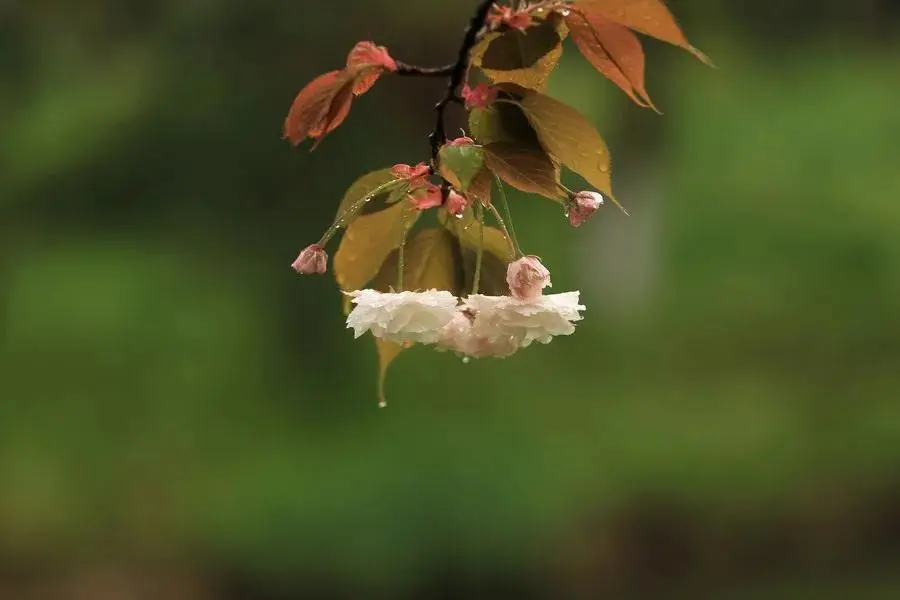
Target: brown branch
(408, 70)
(456, 76)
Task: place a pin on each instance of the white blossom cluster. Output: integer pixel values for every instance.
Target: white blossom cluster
(476, 326)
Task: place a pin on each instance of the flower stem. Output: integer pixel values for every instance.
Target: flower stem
(401, 253)
(511, 232)
(354, 209)
(479, 209)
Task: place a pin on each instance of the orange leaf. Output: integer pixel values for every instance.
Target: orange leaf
(312, 106)
(613, 50)
(650, 17)
(337, 113)
(366, 62)
(524, 168)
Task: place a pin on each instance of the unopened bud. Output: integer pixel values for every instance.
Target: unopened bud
(313, 260)
(461, 141)
(583, 205)
(416, 175)
(456, 203)
(480, 96)
(425, 197)
(527, 278)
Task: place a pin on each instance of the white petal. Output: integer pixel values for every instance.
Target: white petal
(402, 317)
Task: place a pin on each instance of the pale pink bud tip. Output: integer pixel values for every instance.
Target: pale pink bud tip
(461, 141)
(527, 278)
(456, 203)
(583, 205)
(481, 96)
(514, 19)
(313, 260)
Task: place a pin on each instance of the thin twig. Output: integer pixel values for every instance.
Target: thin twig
(457, 74)
(408, 70)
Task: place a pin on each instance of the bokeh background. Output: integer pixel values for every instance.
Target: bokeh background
(183, 417)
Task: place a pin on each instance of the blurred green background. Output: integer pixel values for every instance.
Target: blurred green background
(183, 417)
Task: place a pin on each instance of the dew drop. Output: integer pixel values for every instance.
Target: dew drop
(565, 12)
(459, 216)
(382, 404)
(466, 360)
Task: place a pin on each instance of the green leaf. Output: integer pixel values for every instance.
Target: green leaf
(514, 49)
(376, 185)
(525, 168)
(460, 164)
(367, 243)
(570, 139)
(397, 194)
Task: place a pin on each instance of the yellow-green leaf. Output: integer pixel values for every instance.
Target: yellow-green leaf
(376, 186)
(502, 122)
(515, 49)
(570, 139)
(387, 352)
(433, 261)
(525, 168)
(368, 241)
(468, 232)
(525, 58)
(497, 254)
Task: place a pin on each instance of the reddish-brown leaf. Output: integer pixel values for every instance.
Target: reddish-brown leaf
(337, 113)
(312, 105)
(365, 55)
(650, 17)
(480, 188)
(524, 168)
(366, 62)
(613, 50)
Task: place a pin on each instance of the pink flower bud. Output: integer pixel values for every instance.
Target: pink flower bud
(425, 197)
(514, 19)
(481, 96)
(456, 203)
(527, 278)
(461, 141)
(415, 175)
(583, 205)
(313, 260)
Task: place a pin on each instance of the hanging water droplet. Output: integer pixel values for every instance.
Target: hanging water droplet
(466, 360)
(382, 404)
(459, 216)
